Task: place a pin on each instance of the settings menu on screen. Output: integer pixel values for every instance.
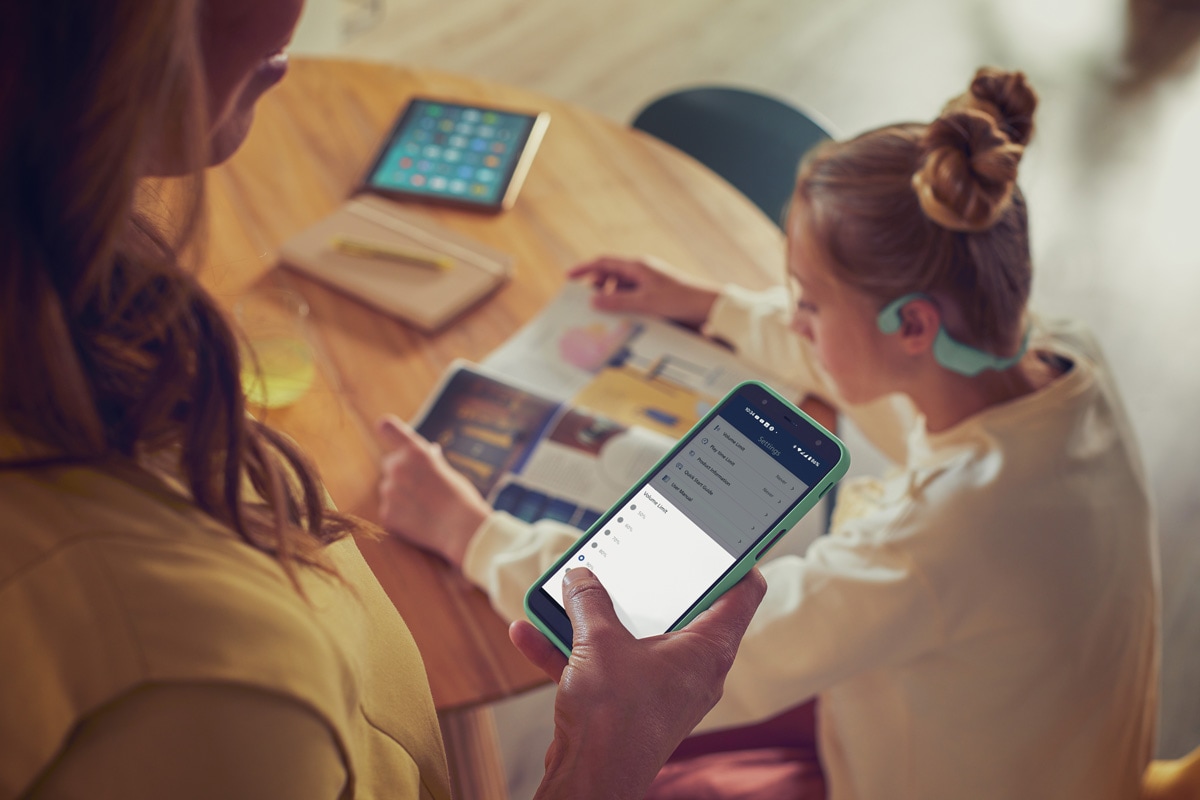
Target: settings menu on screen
(682, 530)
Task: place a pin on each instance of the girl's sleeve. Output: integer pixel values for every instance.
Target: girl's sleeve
(507, 555)
(844, 608)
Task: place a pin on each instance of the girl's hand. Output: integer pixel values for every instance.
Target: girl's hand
(647, 286)
(423, 499)
(625, 704)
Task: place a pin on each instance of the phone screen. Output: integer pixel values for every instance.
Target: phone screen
(721, 490)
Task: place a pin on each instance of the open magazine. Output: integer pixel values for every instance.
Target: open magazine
(613, 394)
(636, 369)
(531, 455)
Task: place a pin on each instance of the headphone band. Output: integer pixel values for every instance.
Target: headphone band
(947, 351)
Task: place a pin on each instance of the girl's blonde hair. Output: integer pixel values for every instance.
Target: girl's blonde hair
(934, 208)
(109, 348)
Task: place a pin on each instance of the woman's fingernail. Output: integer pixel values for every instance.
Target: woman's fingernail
(575, 574)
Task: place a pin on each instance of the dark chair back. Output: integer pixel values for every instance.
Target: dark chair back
(753, 141)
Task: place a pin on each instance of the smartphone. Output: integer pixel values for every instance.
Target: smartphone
(460, 154)
(700, 519)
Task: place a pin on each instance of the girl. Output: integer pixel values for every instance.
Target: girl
(982, 621)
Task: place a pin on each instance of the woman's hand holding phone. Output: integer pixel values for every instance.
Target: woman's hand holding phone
(625, 704)
(648, 286)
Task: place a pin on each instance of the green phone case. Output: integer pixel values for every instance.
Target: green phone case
(747, 562)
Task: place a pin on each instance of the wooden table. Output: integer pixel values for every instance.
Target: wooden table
(595, 187)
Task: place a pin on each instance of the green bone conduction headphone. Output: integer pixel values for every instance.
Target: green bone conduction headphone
(953, 355)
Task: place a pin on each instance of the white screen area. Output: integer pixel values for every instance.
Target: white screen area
(705, 507)
(653, 560)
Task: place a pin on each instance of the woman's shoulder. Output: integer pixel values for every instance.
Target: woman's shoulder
(107, 584)
(138, 563)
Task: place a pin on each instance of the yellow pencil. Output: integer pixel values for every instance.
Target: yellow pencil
(365, 248)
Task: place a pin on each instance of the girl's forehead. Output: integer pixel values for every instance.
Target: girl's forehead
(807, 261)
(810, 266)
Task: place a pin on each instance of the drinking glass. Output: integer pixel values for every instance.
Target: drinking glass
(277, 359)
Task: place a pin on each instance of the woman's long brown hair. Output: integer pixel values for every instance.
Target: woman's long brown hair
(108, 346)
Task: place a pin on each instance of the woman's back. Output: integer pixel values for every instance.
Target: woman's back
(112, 584)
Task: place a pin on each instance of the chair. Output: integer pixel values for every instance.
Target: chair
(1174, 779)
(753, 141)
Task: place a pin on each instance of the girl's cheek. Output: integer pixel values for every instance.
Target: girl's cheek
(802, 325)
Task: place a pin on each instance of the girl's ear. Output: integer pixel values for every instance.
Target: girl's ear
(920, 322)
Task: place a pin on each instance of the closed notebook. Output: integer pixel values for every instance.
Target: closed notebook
(426, 296)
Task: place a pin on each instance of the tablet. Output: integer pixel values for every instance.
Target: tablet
(467, 155)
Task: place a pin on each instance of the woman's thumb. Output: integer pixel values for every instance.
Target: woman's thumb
(588, 605)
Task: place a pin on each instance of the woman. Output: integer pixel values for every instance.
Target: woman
(981, 622)
(180, 615)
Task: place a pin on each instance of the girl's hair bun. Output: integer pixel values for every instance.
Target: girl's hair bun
(968, 173)
(1005, 96)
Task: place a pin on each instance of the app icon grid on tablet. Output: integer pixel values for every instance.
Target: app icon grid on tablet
(453, 152)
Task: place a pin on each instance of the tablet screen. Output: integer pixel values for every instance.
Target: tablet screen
(460, 153)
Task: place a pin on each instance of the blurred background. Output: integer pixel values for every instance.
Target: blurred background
(1111, 178)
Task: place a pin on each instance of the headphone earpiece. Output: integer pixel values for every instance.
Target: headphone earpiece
(889, 318)
(953, 355)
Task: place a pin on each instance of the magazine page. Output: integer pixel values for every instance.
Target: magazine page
(532, 456)
(638, 370)
(486, 427)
